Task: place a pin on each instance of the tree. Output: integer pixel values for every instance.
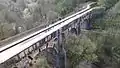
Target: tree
(80, 49)
(108, 3)
(66, 6)
(40, 62)
(107, 46)
(7, 30)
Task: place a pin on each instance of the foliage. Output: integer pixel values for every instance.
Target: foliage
(79, 49)
(64, 7)
(108, 3)
(107, 36)
(7, 30)
(41, 62)
(107, 46)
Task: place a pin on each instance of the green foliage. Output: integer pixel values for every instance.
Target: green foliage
(7, 30)
(41, 62)
(107, 38)
(107, 45)
(64, 7)
(108, 3)
(79, 49)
